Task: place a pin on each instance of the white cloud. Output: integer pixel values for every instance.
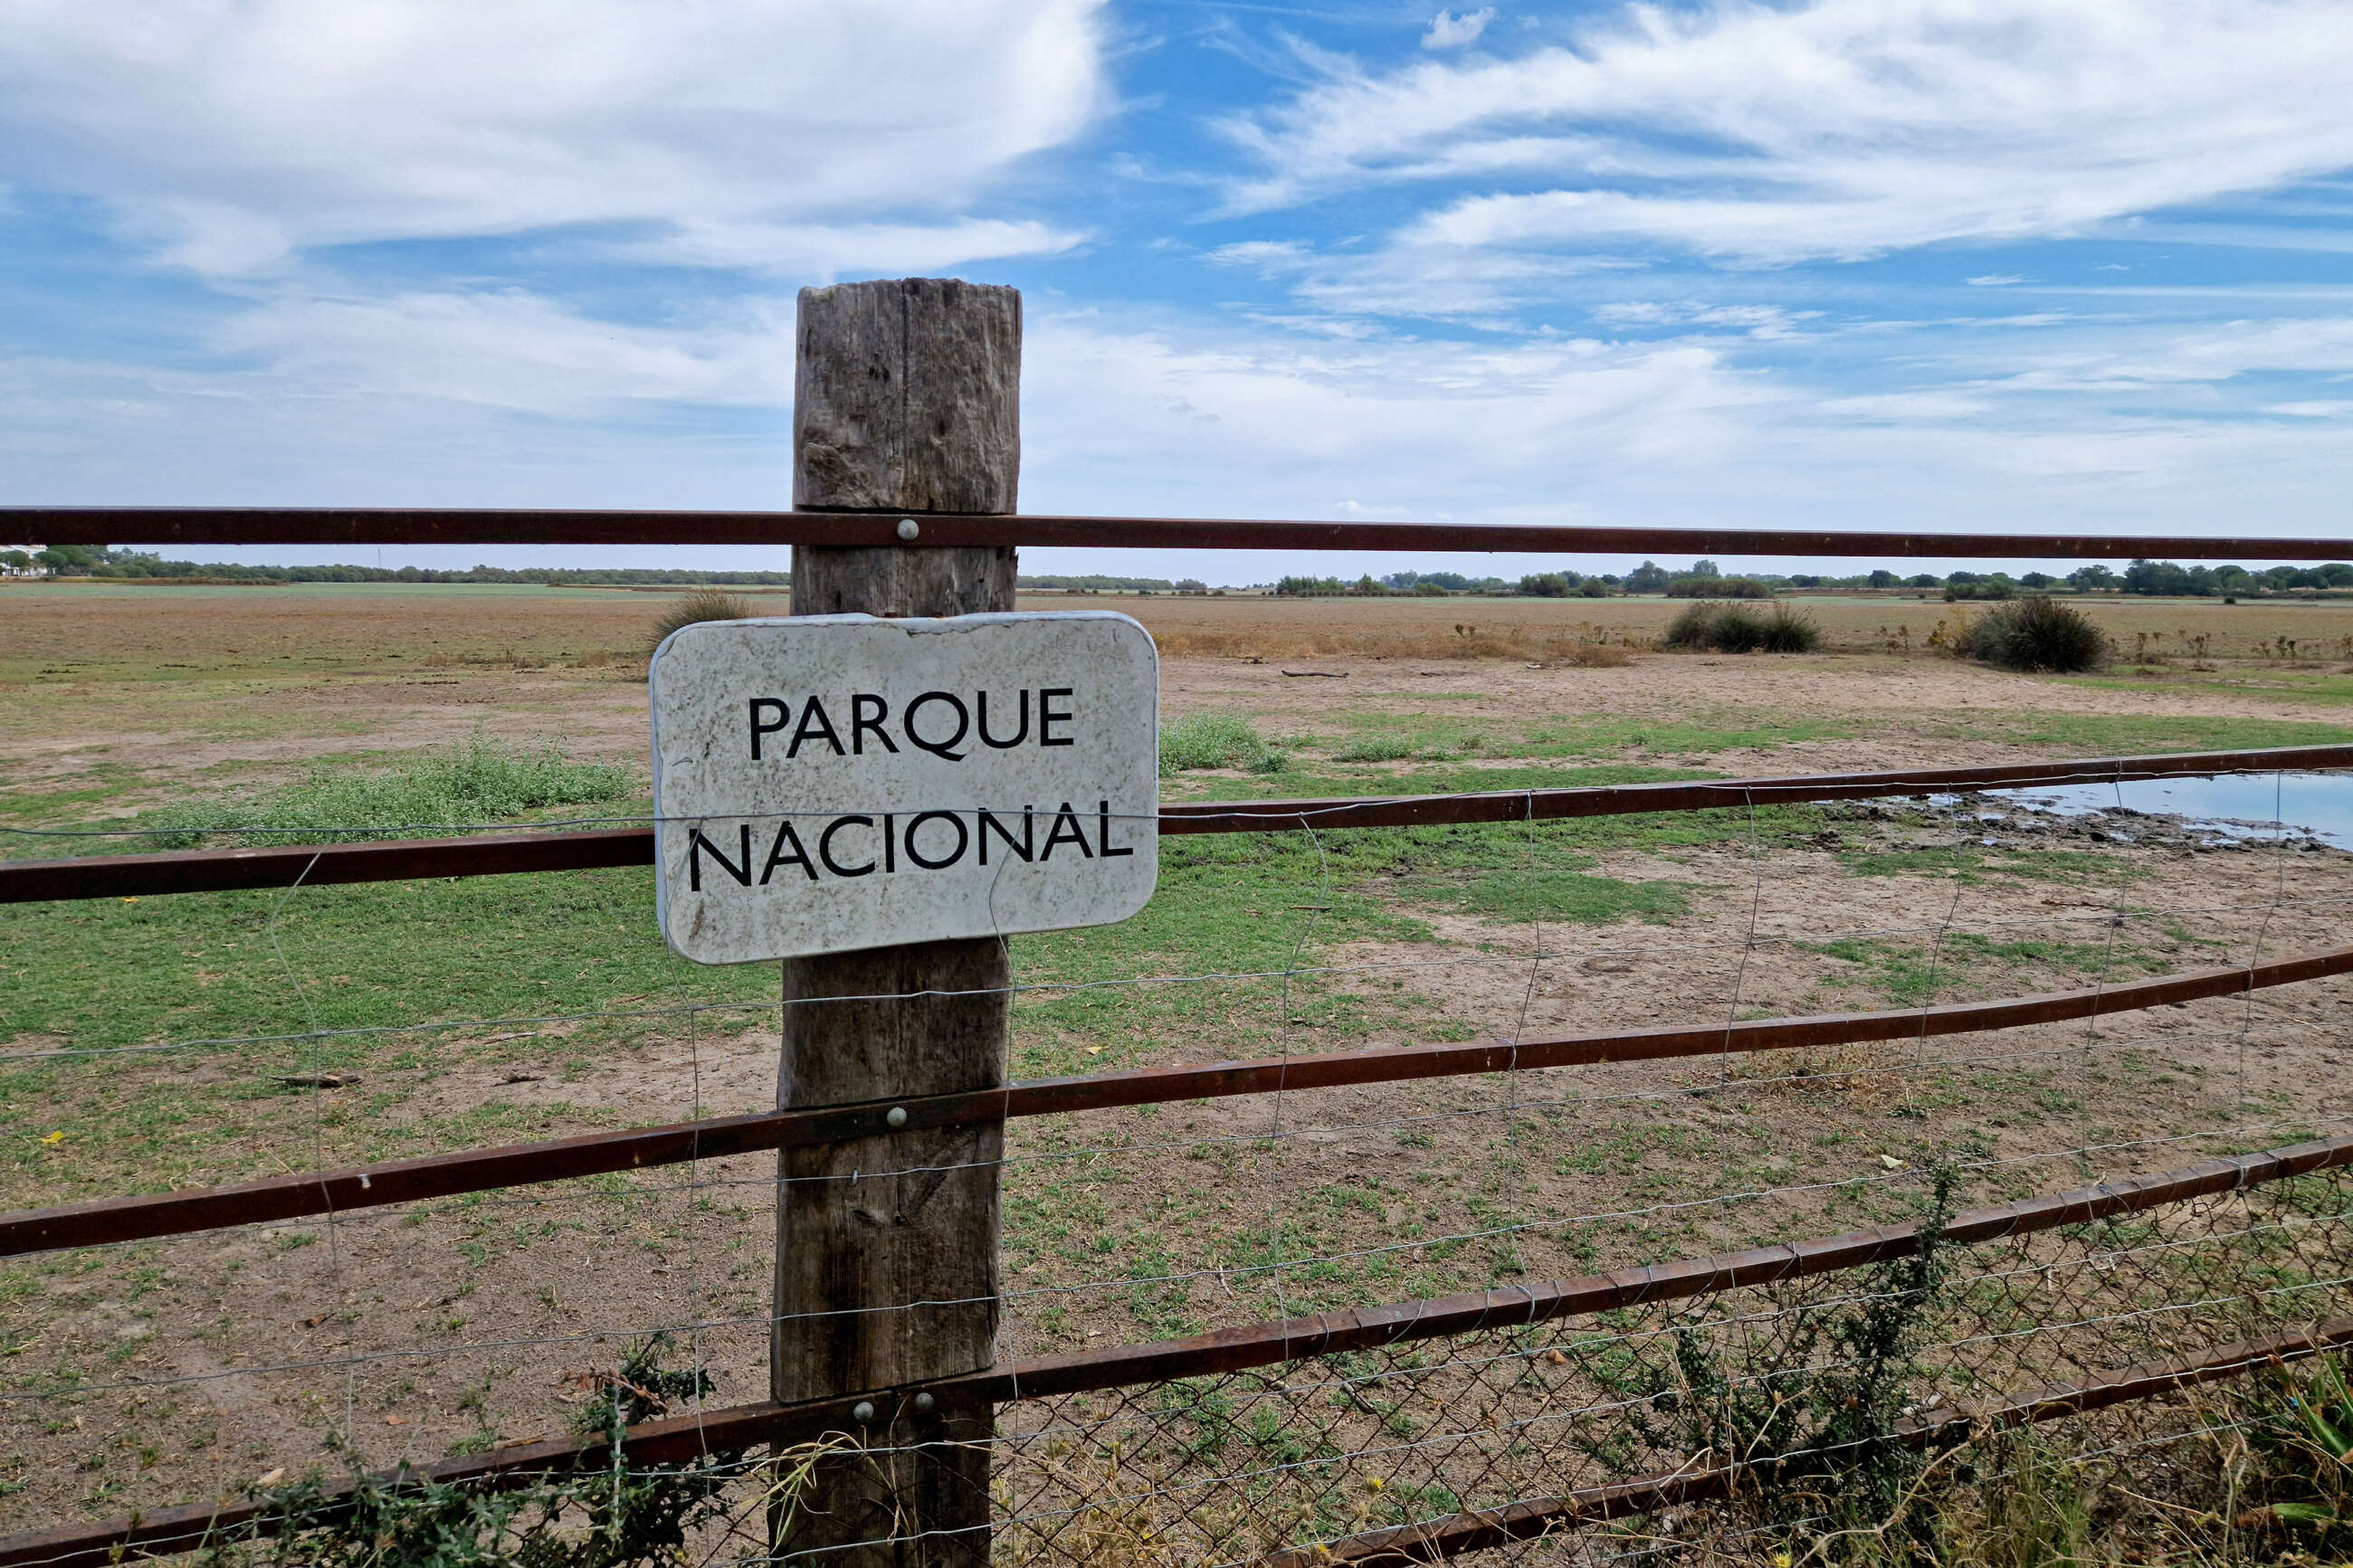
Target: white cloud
(806, 249)
(2152, 361)
(229, 132)
(1995, 280)
(1842, 129)
(1269, 258)
(512, 350)
(1674, 433)
(1448, 31)
(1931, 406)
(1461, 284)
(1117, 410)
(1762, 321)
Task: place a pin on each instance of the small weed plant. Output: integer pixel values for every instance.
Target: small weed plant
(2034, 636)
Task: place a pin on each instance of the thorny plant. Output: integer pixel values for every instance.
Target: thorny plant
(614, 1515)
(1811, 1424)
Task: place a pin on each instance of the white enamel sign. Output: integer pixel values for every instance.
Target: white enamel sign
(829, 783)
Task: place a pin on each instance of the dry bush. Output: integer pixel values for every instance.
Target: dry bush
(695, 608)
(1736, 629)
(2036, 634)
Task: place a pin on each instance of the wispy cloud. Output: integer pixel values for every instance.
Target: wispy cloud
(513, 351)
(1845, 128)
(1449, 31)
(228, 136)
(827, 249)
(1755, 320)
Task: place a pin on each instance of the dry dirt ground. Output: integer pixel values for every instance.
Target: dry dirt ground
(146, 1374)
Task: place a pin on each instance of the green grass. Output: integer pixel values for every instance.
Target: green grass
(1374, 735)
(96, 976)
(2321, 688)
(1574, 898)
(1201, 741)
(478, 781)
(1972, 863)
(95, 783)
(2111, 734)
(1967, 963)
(1387, 749)
(1300, 780)
(1353, 762)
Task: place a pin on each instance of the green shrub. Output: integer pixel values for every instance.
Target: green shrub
(1983, 588)
(481, 780)
(2035, 633)
(1718, 588)
(1742, 629)
(1216, 741)
(693, 609)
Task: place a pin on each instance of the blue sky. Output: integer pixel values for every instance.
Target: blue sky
(1945, 264)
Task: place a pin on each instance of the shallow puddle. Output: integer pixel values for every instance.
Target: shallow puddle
(2244, 806)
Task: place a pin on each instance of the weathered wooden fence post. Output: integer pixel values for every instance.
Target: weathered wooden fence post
(906, 401)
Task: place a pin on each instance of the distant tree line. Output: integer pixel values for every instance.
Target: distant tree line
(1701, 580)
(1117, 584)
(1705, 580)
(91, 561)
(94, 561)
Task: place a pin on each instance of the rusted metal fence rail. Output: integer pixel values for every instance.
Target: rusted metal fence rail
(183, 526)
(113, 1220)
(280, 866)
(171, 1531)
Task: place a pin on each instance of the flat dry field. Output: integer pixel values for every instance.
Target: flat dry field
(161, 682)
(121, 631)
(511, 1008)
